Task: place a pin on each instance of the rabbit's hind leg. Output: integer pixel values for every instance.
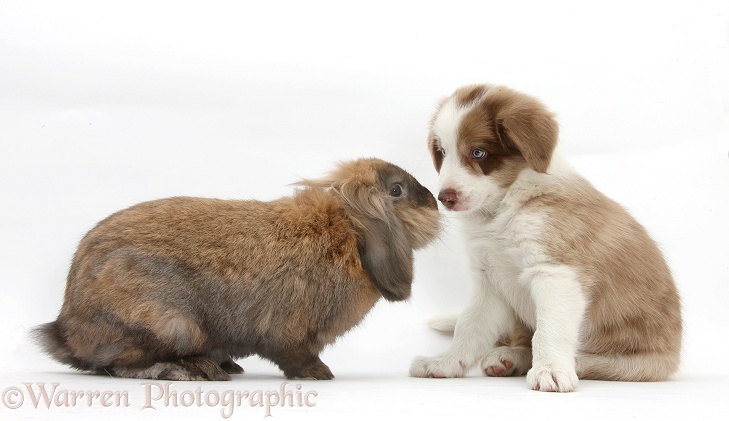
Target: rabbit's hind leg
(226, 361)
(299, 362)
(231, 367)
(193, 368)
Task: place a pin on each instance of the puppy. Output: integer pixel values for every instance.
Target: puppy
(178, 288)
(567, 284)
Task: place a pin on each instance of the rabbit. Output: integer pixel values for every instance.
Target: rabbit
(178, 288)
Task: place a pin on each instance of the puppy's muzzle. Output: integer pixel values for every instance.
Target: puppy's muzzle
(448, 197)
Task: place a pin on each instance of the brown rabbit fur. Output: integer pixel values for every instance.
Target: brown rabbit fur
(178, 288)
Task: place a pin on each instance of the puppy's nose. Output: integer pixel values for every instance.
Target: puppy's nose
(448, 198)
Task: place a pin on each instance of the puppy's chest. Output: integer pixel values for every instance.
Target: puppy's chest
(501, 249)
(495, 254)
(506, 243)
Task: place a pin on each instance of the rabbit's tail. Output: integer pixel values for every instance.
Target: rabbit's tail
(444, 323)
(51, 338)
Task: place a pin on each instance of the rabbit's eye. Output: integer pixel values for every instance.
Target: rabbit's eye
(396, 190)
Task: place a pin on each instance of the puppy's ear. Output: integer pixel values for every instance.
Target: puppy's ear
(529, 126)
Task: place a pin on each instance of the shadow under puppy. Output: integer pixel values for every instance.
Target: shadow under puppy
(178, 288)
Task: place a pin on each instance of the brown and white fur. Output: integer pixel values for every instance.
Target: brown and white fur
(567, 284)
(178, 288)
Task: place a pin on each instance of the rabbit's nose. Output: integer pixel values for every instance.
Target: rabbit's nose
(448, 197)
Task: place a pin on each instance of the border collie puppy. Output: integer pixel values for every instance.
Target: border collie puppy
(567, 285)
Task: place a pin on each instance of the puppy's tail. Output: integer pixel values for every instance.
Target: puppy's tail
(444, 323)
(649, 367)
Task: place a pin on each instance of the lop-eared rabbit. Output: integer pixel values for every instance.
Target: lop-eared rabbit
(178, 288)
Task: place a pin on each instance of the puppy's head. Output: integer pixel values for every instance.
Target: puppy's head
(482, 137)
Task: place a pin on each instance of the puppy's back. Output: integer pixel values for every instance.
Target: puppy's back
(634, 306)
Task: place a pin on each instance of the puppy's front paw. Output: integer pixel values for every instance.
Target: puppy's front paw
(548, 378)
(438, 367)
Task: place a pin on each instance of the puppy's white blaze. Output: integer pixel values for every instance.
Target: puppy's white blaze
(445, 127)
(446, 124)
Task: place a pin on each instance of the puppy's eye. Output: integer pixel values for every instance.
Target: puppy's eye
(478, 154)
(396, 190)
(442, 152)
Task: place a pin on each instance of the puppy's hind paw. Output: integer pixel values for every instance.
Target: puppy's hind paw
(550, 379)
(507, 361)
(438, 367)
(501, 368)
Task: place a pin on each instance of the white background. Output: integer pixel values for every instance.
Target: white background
(106, 104)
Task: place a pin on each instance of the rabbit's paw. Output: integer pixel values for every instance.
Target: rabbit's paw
(316, 371)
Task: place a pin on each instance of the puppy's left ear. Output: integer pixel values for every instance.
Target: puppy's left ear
(387, 257)
(530, 127)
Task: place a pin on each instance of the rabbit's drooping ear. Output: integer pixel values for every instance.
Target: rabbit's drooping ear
(384, 249)
(387, 257)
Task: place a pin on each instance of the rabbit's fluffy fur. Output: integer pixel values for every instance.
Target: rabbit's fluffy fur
(178, 288)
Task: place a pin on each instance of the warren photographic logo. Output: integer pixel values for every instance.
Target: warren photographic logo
(157, 396)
